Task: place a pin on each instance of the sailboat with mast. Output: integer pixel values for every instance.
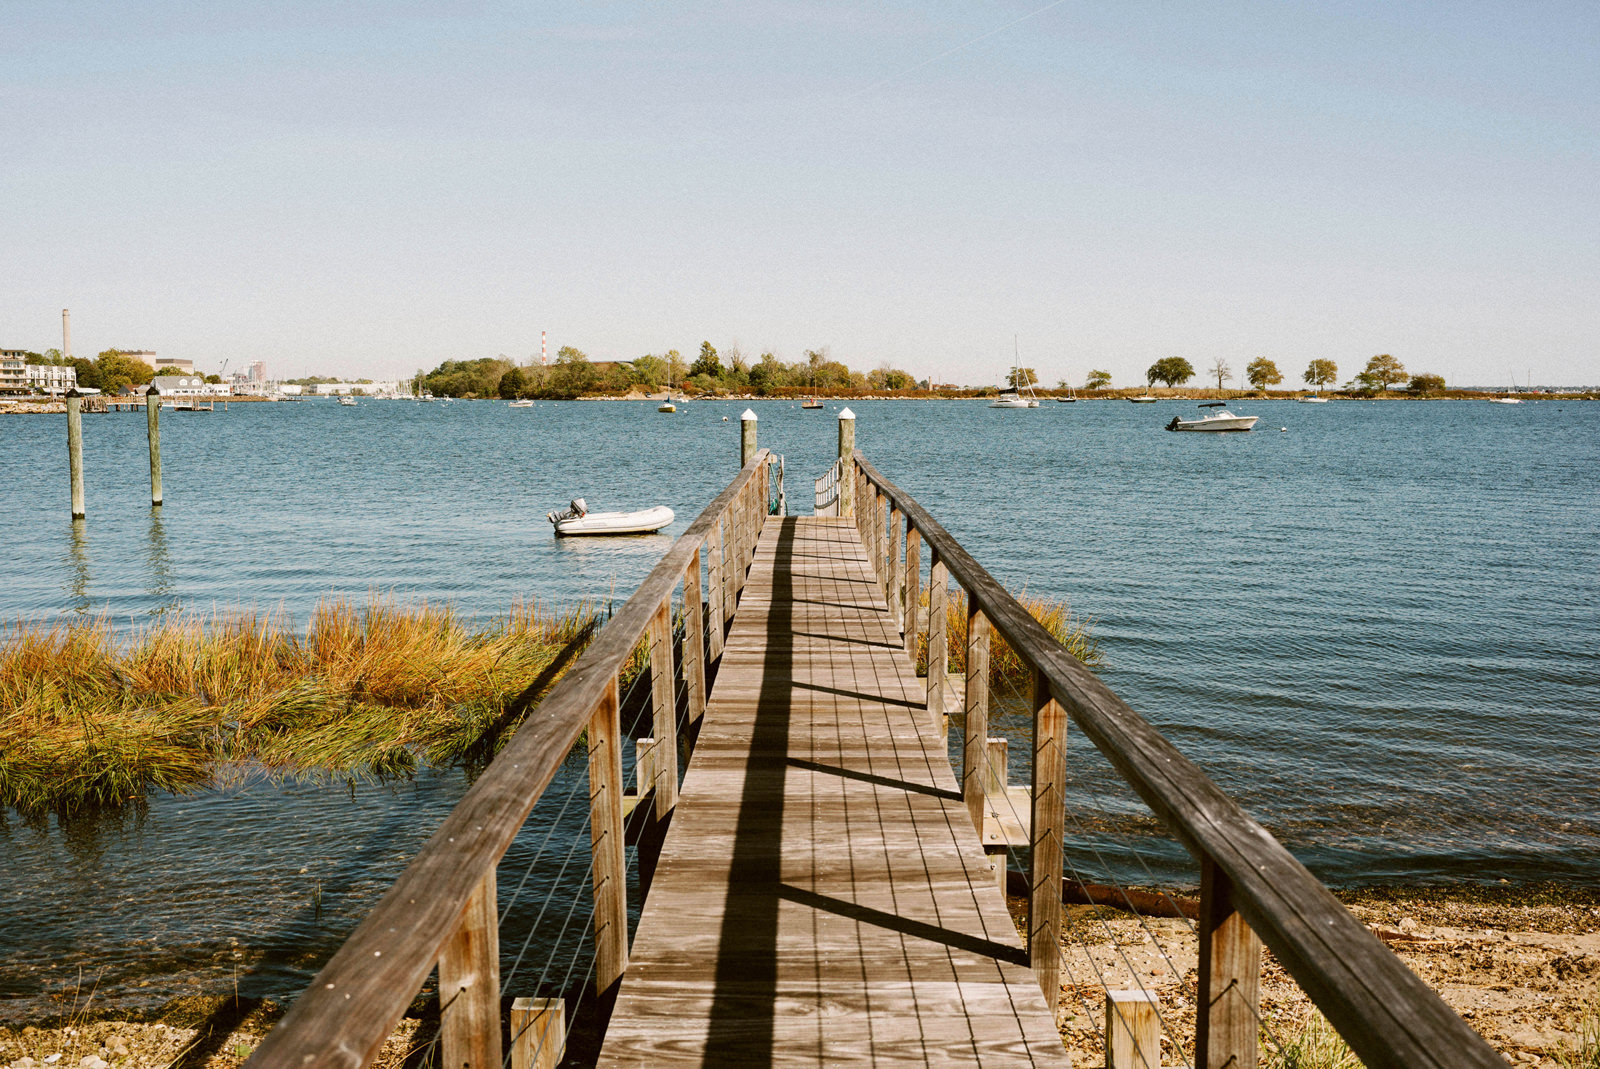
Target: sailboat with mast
(667, 405)
(1021, 393)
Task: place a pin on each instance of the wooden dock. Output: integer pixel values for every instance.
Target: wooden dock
(822, 896)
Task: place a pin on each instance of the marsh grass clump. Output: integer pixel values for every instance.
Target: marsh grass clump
(380, 688)
(1071, 631)
(1583, 1052)
(1314, 1045)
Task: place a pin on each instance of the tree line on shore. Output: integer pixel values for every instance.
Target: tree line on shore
(573, 374)
(712, 372)
(108, 372)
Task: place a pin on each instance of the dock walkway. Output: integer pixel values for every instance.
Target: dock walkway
(822, 896)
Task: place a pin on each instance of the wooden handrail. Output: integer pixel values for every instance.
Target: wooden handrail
(344, 1017)
(1387, 1015)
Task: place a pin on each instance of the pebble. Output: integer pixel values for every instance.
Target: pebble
(93, 1061)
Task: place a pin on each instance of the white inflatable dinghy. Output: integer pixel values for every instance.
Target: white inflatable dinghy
(578, 520)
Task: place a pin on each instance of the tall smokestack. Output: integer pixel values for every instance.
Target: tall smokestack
(544, 350)
(66, 334)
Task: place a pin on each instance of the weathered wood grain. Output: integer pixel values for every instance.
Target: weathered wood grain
(822, 895)
(1388, 1015)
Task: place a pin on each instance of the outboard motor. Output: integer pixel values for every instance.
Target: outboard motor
(579, 509)
(1173, 425)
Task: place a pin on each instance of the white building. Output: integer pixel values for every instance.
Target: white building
(13, 371)
(370, 389)
(180, 385)
(48, 378)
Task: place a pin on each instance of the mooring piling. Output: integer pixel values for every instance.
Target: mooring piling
(152, 411)
(747, 437)
(75, 450)
(847, 449)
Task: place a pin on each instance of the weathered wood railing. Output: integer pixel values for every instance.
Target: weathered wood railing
(441, 911)
(1252, 890)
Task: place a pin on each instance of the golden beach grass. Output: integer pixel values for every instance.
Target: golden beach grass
(1071, 631)
(86, 720)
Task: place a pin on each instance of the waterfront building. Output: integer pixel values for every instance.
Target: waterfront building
(180, 385)
(51, 378)
(13, 371)
(164, 365)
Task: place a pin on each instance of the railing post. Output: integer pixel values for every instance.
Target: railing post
(469, 984)
(1230, 978)
(664, 699)
(538, 1032)
(730, 562)
(913, 591)
(1049, 826)
(1133, 1031)
(714, 596)
(847, 451)
(605, 837)
(938, 644)
(694, 642)
(891, 586)
(975, 730)
(880, 534)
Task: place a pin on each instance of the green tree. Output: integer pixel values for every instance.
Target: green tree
(1424, 385)
(573, 374)
(1381, 372)
(114, 370)
(1172, 370)
(651, 371)
(88, 375)
(708, 363)
(513, 384)
(1263, 373)
(1321, 372)
(1018, 377)
(1097, 380)
(213, 380)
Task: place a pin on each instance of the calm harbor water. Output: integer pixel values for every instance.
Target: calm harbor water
(1377, 628)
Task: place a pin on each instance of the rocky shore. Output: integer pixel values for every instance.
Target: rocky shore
(1520, 964)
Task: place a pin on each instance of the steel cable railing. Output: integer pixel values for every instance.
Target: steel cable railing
(1251, 890)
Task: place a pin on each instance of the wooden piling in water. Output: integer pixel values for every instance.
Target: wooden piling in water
(75, 450)
(747, 437)
(152, 411)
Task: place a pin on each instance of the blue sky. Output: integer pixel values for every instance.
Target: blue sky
(367, 188)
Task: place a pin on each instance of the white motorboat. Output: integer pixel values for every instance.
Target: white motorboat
(348, 402)
(1144, 399)
(1312, 399)
(524, 403)
(1505, 400)
(1220, 420)
(578, 520)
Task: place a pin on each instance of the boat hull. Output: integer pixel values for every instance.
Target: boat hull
(645, 521)
(1229, 423)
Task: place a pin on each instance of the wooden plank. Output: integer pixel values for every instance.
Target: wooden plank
(1388, 1015)
(1046, 835)
(694, 650)
(975, 729)
(664, 709)
(938, 645)
(1230, 979)
(822, 894)
(605, 838)
(469, 985)
(891, 589)
(913, 604)
(344, 1017)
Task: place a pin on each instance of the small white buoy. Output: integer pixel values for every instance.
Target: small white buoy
(724, 419)
(1285, 429)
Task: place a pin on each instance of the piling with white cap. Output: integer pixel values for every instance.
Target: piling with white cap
(847, 450)
(747, 437)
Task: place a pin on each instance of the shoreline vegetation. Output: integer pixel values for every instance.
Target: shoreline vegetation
(1519, 963)
(91, 720)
